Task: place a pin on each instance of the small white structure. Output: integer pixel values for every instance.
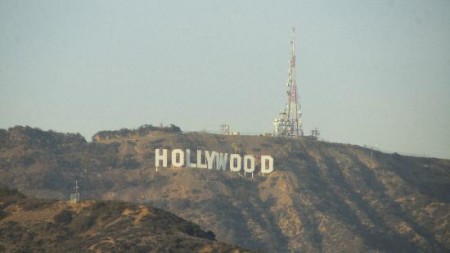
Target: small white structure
(75, 197)
(225, 129)
(315, 133)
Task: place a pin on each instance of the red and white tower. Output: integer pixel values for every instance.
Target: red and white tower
(289, 121)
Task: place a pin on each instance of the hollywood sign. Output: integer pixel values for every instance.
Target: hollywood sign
(212, 160)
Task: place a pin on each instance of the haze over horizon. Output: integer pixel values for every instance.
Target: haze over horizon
(373, 73)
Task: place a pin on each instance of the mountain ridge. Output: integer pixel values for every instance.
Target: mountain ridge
(38, 225)
(321, 197)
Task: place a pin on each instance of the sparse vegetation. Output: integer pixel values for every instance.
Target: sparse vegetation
(64, 217)
(321, 197)
(106, 226)
(141, 131)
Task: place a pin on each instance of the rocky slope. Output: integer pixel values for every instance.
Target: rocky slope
(321, 197)
(36, 225)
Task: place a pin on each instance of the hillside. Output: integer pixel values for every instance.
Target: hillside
(36, 225)
(321, 197)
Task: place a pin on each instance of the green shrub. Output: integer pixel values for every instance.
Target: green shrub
(33, 204)
(82, 223)
(3, 214)
(64, 217)
(6, 191)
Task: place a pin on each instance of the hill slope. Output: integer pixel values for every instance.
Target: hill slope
(36, 225)
(321, 197)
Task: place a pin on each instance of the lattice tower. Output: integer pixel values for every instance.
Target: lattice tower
(289, 122)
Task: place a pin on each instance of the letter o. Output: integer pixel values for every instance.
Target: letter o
(249, 168)
(235, 162)
(177, 158)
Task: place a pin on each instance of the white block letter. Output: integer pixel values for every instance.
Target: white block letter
(188, 160)
(160, 157)
(221, 161)
(266, 164)
(235, 162)
(249, 163)
(177, 158)
(210, 158)
(200, 164)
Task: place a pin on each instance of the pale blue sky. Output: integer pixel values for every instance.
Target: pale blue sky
(369, 72)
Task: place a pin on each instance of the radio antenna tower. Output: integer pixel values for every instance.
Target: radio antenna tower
(289, 123)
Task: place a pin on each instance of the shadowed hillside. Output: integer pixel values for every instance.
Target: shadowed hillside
(36, 225)
(321, 197)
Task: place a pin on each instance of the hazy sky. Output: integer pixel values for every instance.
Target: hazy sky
(369, 72)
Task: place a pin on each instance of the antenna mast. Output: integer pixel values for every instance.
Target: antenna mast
(289, 123)
(75, 197)
(76, 187)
